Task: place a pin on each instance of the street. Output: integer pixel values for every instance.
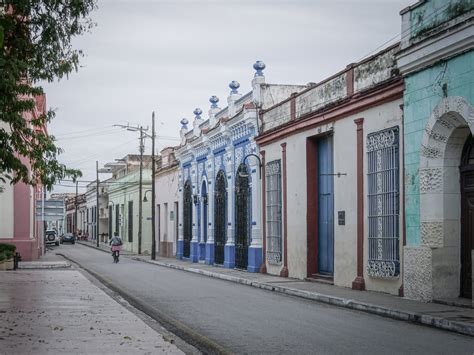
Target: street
(242, 319)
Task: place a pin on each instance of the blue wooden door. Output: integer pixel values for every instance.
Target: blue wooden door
(325, 207)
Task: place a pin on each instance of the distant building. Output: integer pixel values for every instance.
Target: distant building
(97, 228)
(167, 207)
(124, 202)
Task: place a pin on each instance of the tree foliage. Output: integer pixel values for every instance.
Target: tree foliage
(35, 44)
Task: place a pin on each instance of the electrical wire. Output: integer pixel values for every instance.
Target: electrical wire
(404, 34)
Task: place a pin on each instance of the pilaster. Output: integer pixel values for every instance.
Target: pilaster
(255, 249)
(210, 218)
(229, 249)
(194, 256)
(180, 245)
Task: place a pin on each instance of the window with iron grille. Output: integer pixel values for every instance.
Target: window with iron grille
(273, 209)
(384, 203)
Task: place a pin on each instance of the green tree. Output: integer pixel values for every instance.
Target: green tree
(35, 46)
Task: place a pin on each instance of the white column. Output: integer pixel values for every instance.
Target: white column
(255, 186)
(210, 198)
(180, 204)
(230, 194)
(195, 189)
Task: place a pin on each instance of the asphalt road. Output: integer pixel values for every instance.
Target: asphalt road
(244, 319)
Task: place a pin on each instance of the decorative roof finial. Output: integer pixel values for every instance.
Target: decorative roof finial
(259, 66)
(197, 112)
(234, 86)
(214, 100)
(184, 123)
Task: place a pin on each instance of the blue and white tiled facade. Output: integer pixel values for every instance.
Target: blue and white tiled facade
(221, 144)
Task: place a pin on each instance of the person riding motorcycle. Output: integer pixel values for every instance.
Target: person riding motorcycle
(116, 243)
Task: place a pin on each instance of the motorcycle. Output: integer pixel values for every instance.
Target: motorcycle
(116, 252)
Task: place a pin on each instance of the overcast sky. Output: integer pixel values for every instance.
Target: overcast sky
(172, 55)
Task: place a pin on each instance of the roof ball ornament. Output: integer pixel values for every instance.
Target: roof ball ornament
(259, 66)
(213, 100)
(234, 86)
(184, 123)
(197, 112)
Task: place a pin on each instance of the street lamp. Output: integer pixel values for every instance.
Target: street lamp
(144, 198)
(143, 135)
(259, 165)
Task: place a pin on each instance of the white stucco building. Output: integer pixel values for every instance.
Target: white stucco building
(124, 202)
(167, 207)
(332, 189)
(219, 187)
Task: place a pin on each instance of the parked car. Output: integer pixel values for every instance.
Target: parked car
(51, 237)
(68, 238)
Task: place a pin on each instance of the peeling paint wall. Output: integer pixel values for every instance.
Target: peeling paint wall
(423, 91)
(367, 74)
(375, 71)
(432, 14)
(278, 116)
(273, 94)
(322, 95)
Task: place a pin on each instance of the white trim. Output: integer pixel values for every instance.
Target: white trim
(430, 51)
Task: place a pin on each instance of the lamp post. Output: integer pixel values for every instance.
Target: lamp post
(97, 221)
(97, 215)
(153, 241)
(111, 234)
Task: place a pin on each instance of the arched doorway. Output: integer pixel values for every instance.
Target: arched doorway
(204, 211)
(432, 256)
(220, 217)
(187, 218)
(242, 217)
(467, 216)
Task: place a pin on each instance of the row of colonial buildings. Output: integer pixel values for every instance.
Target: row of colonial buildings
(363, 180)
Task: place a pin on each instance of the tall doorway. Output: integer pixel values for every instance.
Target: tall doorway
(220, 217)
(467, 217)
(242, 214)
(325, 207)
(187, 219)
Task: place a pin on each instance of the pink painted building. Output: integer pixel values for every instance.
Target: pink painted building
(18, 224)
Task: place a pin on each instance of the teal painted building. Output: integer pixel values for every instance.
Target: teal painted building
(437, 62)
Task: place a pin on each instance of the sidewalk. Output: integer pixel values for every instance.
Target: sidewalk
(456, 319)
(52, 311)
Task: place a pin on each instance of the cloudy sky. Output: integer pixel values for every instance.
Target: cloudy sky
(170, 56)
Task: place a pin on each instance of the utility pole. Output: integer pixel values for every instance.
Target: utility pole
(153, 241)
(75, 211)
(97, 201)
(142, 148)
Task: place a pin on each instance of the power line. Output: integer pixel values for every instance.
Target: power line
(405, 33)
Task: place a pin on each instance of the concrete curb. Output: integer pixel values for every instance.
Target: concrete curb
(415, 317)
(35, 265)
(187, 334)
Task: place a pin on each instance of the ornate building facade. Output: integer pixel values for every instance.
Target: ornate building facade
(437, 62)
(219, 178)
